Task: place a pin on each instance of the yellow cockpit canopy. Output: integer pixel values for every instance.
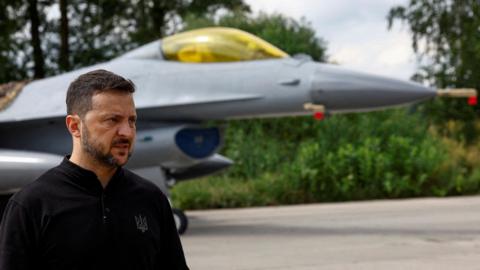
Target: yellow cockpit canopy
(218, 44)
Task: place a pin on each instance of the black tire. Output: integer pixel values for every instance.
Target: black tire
(181, 220)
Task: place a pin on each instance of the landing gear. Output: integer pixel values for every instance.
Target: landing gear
(181, 220)
(164, 180)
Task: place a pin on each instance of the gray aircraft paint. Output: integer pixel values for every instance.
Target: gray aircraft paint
(168, 90)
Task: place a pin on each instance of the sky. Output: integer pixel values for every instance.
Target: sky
(356, 32)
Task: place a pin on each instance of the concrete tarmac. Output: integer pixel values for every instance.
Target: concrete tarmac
(396, 234)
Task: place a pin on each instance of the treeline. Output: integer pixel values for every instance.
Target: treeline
(41, 38)
(427, 150)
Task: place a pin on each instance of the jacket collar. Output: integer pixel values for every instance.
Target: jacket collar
(87, 179)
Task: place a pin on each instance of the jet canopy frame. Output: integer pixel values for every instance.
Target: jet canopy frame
(218, 44)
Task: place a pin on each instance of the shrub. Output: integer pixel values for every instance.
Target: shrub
(389, 154)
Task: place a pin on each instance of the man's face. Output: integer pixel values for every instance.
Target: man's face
(108, 129)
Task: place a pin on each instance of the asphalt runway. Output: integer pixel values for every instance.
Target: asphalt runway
(400, 234)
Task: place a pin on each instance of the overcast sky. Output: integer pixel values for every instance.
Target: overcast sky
(356, 32)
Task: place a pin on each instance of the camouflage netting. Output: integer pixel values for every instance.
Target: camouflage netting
(9, 91)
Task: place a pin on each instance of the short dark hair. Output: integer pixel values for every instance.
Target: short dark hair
(82, 89)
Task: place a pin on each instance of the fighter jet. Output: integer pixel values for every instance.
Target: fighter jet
(183, 81)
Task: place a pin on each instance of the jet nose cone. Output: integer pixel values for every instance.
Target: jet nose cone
(341, 90)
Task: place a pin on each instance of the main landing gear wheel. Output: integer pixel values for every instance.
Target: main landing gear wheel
(181, 220)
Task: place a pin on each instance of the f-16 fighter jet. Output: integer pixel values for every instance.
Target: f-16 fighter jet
(183, 81)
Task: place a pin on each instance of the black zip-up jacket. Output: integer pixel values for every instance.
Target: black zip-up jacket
(66, 220)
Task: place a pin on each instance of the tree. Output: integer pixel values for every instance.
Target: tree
(35, 43)
(39, 70)
(446, 34)
(64, 62)
(156, 18)
(97, 31)
(11, 66)
(446, 37)
(21, 28)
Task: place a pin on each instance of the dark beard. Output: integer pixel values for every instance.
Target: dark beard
(105, 159)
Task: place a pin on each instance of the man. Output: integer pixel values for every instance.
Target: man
(89, 212)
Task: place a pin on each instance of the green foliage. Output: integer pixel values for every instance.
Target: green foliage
(97, 30)
(254, 155)
(449, 32)
(391, 154)
(387, 167)
(446, 37)
(13, 66)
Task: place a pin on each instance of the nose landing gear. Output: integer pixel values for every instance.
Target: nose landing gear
(181, 220)
(163, 179)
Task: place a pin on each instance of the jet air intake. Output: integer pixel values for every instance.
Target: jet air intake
(175, 146)
(198, 143)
